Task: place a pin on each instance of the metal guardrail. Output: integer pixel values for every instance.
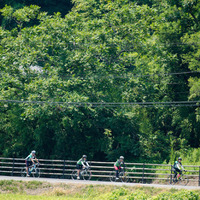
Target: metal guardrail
(138, 172)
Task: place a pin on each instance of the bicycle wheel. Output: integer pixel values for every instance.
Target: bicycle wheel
(124, 177)
(74, 175)
(171, 180)
(36, 173)
(183, 180)
(23, 172)
(112, 176)
(86, 175)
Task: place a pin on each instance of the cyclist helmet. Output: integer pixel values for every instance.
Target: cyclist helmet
(121, 157)
(179, 158)
(84, 156)
(33, 152)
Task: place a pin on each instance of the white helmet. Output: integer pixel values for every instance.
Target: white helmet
(33, 152)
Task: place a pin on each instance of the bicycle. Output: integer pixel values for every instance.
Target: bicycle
(33, 170)
(85, 174)
(123, 176)
(182, 180)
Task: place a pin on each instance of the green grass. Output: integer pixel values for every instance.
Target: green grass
(18, 190)
(118, 194)
(29, 197)
(20, 186)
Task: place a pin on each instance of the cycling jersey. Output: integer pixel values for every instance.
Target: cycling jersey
(82, 162)
(118, 163)
(29, 157)
(178, 165)
(79, 162)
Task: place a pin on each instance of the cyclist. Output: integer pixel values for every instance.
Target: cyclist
(177, 168)
(29, 160)
(81, 164)
(118, 166)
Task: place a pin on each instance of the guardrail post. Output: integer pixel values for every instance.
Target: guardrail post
(64, 170)
(13, 166)
(143, 173)
(199, 175)
(53, 170)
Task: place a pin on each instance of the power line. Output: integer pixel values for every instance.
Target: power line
(141, 43)
(125, 76)
(136, 94)
(109, 104)
(82, 44)
(75, 44)
(140, 75)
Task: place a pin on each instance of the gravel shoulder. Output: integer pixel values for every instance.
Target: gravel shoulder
(68, 181)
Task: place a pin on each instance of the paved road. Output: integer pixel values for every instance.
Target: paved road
(68, 181)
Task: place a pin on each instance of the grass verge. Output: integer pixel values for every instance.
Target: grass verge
(19, 190)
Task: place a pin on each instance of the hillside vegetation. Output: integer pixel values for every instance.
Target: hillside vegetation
(101, 51)
(39, 191)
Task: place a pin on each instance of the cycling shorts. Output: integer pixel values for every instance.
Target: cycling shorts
(28, 163)
(79, 166)
(176, 170)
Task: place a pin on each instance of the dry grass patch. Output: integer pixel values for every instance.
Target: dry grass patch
(27, 187)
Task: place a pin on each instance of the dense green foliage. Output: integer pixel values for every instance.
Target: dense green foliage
(101, 51)
(190, 157)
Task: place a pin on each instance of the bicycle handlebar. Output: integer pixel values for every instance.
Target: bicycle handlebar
(34, 165)
(87, 167)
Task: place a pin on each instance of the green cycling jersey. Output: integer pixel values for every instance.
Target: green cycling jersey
(119, 164)
(82, 162)
(29, 157)
(178, 165)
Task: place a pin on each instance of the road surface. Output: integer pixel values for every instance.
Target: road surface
(68, 181)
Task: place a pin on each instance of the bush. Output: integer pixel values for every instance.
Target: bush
(138, 196)
(181, 195)
(118, 193)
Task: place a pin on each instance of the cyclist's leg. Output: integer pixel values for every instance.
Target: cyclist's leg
(79, 167)
(179, 173)
(175, 173)
(28, 164)
(117, 171)
(120, 170)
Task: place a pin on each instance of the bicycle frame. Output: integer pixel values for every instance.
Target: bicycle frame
(181, 176)
(85, 174)
(86, 169)
(122, 171)
(32, 167)
(183, 179)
